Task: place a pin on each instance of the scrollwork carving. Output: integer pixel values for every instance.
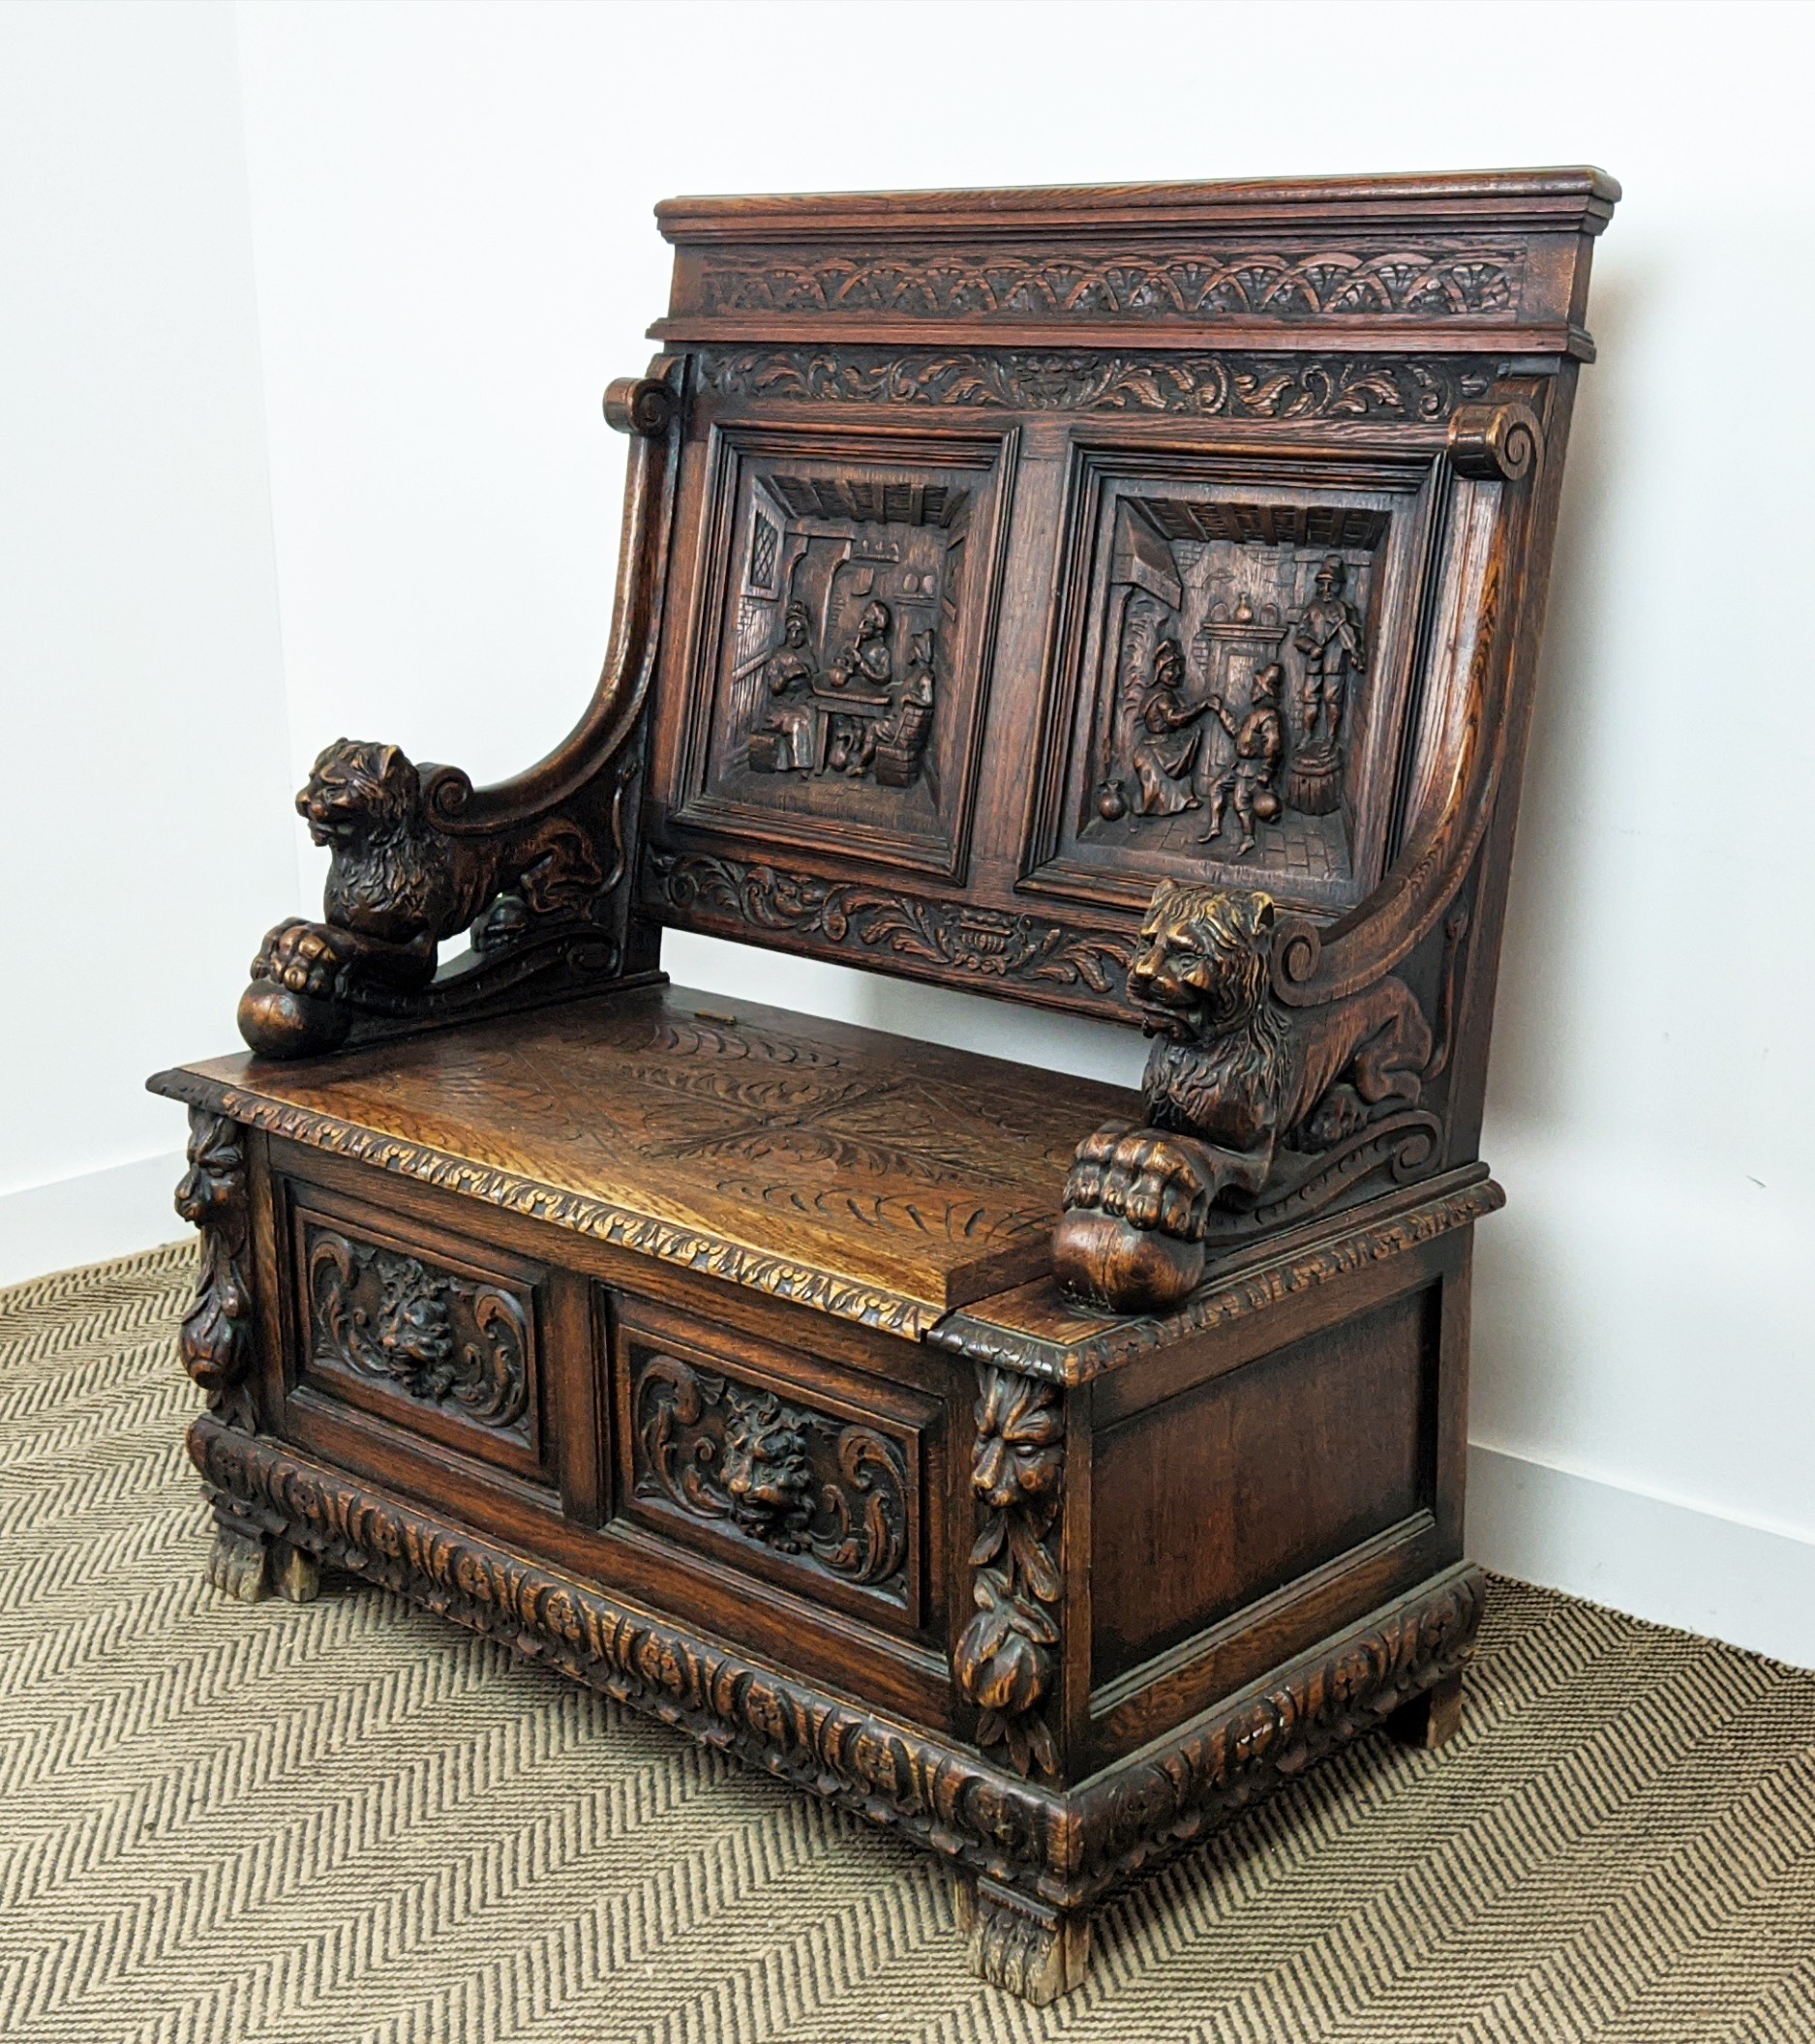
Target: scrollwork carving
(444, 1339)
(1241, 386)
(990, 942)
(795, 1480)
(1004, 1659)
(1234, 1079)
(216, 1340)
(1495, 443)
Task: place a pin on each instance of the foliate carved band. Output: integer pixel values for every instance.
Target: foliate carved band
(1441, 281)
(1150, 1809)
(1255, 1112)
(1066, 1848)
(1004, 1659)
(216, 1340)
(444, 1339)
(1286, 388)
(788, 1477)
(990, 942)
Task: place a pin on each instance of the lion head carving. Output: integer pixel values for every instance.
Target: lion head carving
(360, 793)
(1202, 969)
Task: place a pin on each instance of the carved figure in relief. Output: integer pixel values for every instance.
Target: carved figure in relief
(869, 664)
(796, 727)
(1233, 1074)
(900, 738)
(1165, 752)
(1329, 635)
(1259, 745)
(396, 887)
(765, 1471)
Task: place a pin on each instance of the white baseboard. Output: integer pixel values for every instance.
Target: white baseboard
(89, 1218)
(1659, 1558)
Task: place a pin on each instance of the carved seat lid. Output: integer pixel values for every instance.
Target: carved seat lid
(869, 1177)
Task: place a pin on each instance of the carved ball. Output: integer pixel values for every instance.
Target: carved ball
(1267, 806)
(1104, 1261)
(279, 1024)
(1111, 802)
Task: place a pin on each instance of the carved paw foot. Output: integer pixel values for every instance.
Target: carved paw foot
(1137, 1202)
(306, 958)
(1335, 1117)
(247, 1566)
(1431, 1718)
(239, 1565)
(1021, 1945)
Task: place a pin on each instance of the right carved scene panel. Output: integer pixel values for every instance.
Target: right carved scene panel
(1229, 677)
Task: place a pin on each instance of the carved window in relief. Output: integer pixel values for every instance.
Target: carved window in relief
(455, 1343)
(850, 644)
(828, 1495)
(1229, 679)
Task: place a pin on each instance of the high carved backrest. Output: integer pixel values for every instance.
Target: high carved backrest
(992, 558)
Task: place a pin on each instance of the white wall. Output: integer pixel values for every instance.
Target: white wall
(144, 776)
(453, 253)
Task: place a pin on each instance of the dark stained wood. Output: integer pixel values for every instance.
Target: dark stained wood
(1121, 600)
(1214, 1499)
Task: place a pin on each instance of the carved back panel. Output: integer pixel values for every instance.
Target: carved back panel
(1032, 548)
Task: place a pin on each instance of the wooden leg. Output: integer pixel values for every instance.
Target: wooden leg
(239, 1564)
(1430, 1718)
(1022, 1945)
(295, 1574)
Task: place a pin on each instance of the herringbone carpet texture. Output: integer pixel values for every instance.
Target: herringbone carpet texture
(347, 1822)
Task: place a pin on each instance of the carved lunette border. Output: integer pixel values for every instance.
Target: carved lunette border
(1447, 279)
(981, 1341)
(581, 1214)
(1067, 1848)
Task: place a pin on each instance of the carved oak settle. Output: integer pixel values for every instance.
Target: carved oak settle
(1124, 601)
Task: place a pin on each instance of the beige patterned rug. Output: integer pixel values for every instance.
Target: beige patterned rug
(347, 1822)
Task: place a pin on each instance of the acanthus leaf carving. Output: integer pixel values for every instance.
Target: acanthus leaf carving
(1003, 1662)
(440, 1338)
(990, 942)
(215, 1342)
(1427, 389)
(798, 1482)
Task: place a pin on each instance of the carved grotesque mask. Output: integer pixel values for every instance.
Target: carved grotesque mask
(1019, 1442)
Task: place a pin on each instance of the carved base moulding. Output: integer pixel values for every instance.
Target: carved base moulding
(1034, 1859)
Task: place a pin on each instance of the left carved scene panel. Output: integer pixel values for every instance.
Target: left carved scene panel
(839, 684)
(435, 1338)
